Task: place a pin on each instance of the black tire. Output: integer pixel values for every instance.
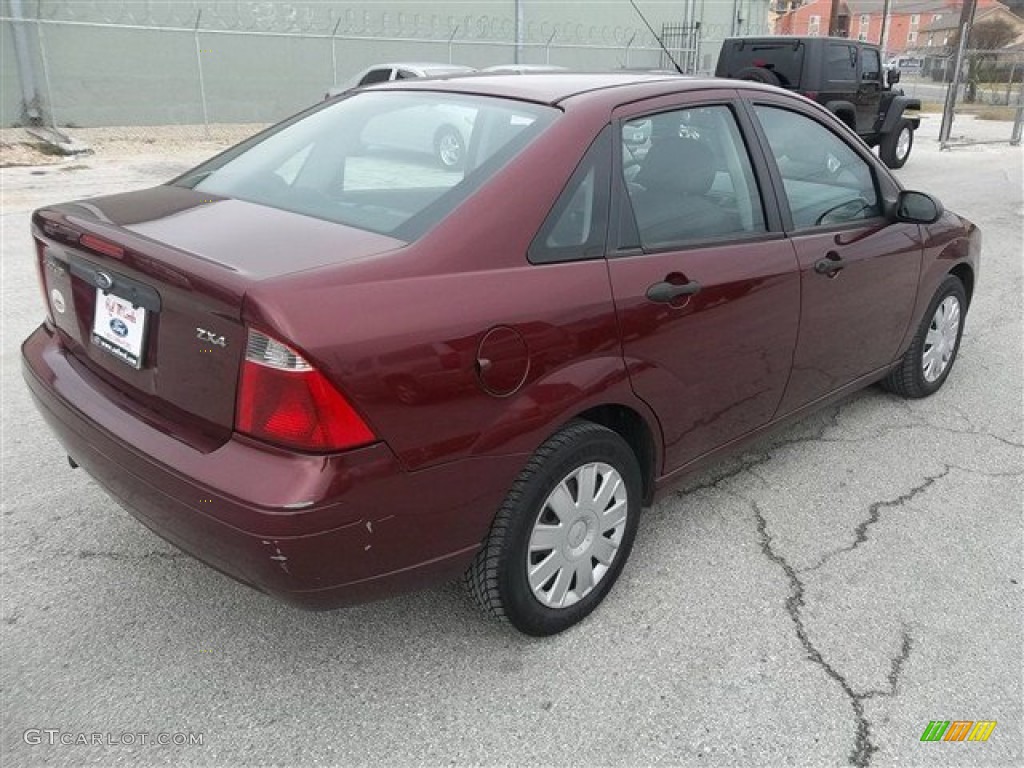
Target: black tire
(758, 75)
(449, 148)
(909, 378)
(889, 149)
(498, 578)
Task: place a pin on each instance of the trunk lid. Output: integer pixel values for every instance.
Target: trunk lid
(146, 290)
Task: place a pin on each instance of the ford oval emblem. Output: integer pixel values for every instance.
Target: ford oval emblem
(117, 326)
(104, 281)
(57, 299)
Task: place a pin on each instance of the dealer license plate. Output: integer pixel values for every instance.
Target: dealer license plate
(119, 328)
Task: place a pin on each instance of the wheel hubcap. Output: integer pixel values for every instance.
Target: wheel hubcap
(448, 148)
(577, 535)
(940, 342)
(903, 143)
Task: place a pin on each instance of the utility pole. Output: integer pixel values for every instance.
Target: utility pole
(883, 35)
(833, 19)
(966, 20)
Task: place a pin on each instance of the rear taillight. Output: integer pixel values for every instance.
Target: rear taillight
(41, 271)
(284, 400)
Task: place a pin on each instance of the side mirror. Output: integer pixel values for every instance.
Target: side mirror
(892, 76)
(917, 207)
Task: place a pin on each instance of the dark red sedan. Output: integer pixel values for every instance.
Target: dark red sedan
(335, 371)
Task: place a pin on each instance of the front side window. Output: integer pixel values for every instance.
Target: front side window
(825, 181)
(872, 66)
(372, 161)
(693, 181)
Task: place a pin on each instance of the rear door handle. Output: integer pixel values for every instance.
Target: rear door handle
(831, 264)
(666, 292)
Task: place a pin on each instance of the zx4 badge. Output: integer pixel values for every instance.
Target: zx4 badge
(209, 336)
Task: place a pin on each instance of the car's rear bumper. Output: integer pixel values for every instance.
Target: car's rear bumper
(317, 531)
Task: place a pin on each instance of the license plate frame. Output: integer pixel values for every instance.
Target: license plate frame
(119, 328)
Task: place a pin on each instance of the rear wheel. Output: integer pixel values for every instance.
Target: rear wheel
(561, 538)
(928, 361)
(896, 145)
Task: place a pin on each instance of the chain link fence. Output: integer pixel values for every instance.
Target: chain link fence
(989, 93)
(201, 69)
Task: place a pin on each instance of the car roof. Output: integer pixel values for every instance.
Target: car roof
(555, 87)
(423, 66)
(795, 39)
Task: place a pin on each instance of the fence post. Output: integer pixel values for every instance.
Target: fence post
(202, 83)
(334, 53)
(547, 47)
(951, 93)
(1018, 120)
(628, 45)
(46, 68)
(451, 37)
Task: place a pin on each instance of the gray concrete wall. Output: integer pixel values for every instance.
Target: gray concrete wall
(263, 61)
(10, 90)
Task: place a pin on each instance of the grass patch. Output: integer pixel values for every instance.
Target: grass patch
(980, 111)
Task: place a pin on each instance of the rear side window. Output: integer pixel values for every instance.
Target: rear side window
(841, 62)
(577, 225)
(694, 182)
(374, 161)
(375, 76)
(784, 59)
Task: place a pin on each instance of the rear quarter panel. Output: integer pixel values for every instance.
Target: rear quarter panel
(420, 313)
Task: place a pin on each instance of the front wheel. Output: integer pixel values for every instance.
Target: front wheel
(561, 538)
(896, 145)
(927, 363)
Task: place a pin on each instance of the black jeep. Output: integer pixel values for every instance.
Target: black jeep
(844, 75)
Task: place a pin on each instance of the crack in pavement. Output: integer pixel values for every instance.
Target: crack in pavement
(87, 554)
(875, 514)
(863, 748)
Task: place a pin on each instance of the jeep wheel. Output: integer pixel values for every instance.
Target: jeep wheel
(895, 146)
(758, 75)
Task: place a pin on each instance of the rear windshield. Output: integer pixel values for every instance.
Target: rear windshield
(392, 162)
(784, 59)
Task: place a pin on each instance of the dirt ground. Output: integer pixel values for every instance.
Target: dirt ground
(19, 147)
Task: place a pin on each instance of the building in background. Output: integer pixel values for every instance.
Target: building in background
(862, 19)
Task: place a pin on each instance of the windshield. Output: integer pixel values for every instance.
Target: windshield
(785, 59)
(392, 162)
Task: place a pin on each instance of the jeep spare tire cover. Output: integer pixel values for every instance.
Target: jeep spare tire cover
(758, 75)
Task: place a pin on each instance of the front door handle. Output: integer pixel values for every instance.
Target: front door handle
(831, 264)
(667, 292)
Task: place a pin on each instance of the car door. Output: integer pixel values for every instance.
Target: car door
(858, 270)
(869, 89)
(705, 285)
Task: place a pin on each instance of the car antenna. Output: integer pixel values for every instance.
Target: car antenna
(657, 37)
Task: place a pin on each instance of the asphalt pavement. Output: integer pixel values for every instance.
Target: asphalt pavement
(817, 600)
